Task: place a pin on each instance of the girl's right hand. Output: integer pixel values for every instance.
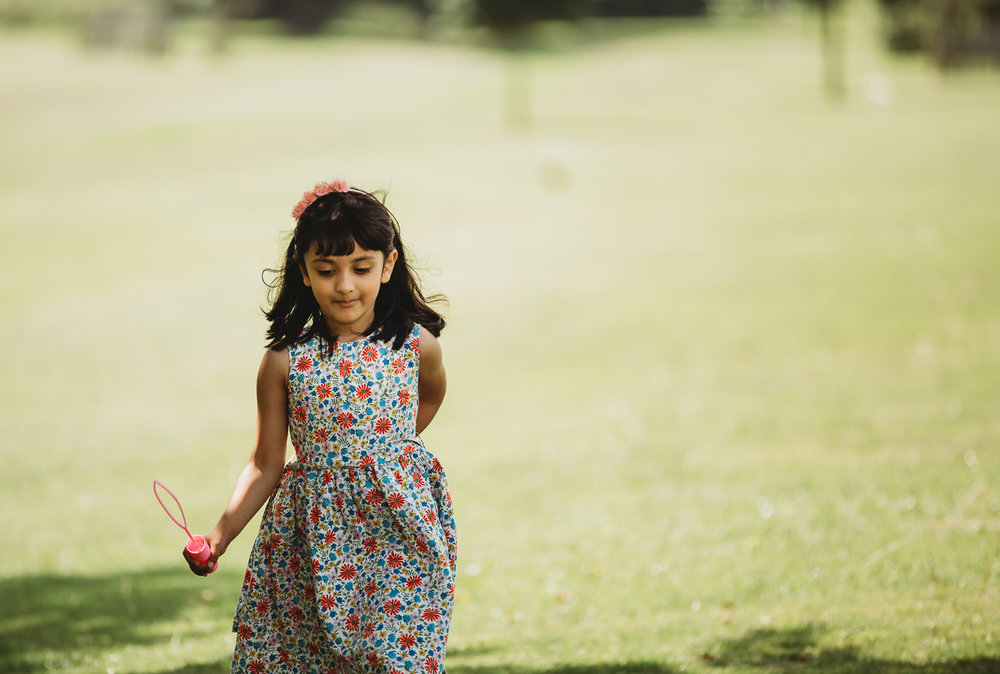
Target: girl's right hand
(204, 569)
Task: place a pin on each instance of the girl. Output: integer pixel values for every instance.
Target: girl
(353, 569)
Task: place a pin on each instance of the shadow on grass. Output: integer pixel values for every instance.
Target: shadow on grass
(221, 667)
(69, 618)
(72, 618)
(797, 649)
(605, 668)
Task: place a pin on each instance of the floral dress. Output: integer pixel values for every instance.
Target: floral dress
(354, 566)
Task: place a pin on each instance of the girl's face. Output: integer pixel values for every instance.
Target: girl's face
(345, 287)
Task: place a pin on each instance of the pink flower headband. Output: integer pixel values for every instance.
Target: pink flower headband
(315, 193)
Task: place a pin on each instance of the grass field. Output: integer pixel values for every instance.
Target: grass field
(723, 357)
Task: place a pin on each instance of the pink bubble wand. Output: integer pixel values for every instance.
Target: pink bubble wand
(196, 545)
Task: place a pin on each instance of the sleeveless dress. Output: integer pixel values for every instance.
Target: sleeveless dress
(354, 566)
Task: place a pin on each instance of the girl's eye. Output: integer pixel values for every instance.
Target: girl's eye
(323, 272)
(362, 270)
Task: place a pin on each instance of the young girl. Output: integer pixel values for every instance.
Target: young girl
(354, 566)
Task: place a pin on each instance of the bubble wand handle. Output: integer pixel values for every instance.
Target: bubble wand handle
(196, 545)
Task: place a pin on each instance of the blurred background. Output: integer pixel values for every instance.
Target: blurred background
(724, 330)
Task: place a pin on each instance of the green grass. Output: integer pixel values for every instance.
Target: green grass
(722, 356)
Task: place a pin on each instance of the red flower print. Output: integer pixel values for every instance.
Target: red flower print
(348, 571)
(300, 414)
(315, 514)
(395, 560)
(315, 568)
(395, 671)
(313, 648)
(371, 588)
(415, 344)
(327, 477)
(437, 465)
(271, 545)
(327, 601)
(398, 366)
(345, 419)
(407, 641)
(331, 537)
(364, 392)
(244, 631)
(413, 582)
(396, 500)
(262, 606)
(367, 462)
(321, 435)
(373, 496)
(371, 544)
(404, 397)
(345, 368)
(418, 479)
(369, 630)
(393, 606)
(370, 354)
(373, 660)
(324, 391)
(383, 425)
(430, 516)
(297, 614)
(431, 666)
(303, 364)
(256, 667)
(353, 623)
(340, 501)
(432, 614)
(421, 545)
(403, 463)
(283, 656)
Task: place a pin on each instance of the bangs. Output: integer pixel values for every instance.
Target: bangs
(338, 230)
(335, 241)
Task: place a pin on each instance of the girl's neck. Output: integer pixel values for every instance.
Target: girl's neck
(349, 333)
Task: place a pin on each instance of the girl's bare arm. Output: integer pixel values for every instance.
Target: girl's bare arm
(432, 381)
(261, 475)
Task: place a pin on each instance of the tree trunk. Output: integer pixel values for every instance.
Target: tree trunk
(518, 91)
(220, 26)
(833, 53)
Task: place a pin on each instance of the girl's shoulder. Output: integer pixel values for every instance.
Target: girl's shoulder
(423, 334)
(427, 345)
(274, 366)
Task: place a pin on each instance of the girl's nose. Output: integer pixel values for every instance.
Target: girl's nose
(344, 284)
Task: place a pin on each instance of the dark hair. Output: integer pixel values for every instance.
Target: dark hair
(336, 223)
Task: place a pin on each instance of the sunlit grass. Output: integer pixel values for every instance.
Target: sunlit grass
(722, 356)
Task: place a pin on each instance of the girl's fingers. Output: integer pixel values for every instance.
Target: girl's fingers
(197, 567)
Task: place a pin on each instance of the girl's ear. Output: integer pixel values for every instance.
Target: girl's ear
(387, 266)
(305, 276)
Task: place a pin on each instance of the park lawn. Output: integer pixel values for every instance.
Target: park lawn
(722, 355)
